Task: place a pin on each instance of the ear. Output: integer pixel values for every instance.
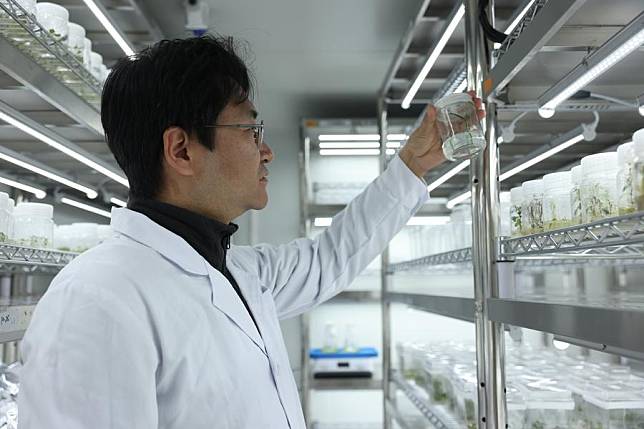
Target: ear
(176, 151)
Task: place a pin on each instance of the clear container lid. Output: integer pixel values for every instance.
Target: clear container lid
(76, 35)
(638, 140)
(599, 163)
(453, 99)
(614, 396)
(554, 182)
(96, 59)
(516, 195)
(12, 205)
(88, 44)
(52, 9)
(4, 200)
(34, 209)
(505, 197)
(625, 153)
(532, 188)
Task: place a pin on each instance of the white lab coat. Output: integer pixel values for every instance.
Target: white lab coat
(141, 332)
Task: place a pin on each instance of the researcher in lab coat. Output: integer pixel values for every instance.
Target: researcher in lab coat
(164, 325)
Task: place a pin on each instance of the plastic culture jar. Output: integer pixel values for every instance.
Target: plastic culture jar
(598, 186)
(638, 186)
(5, 217)
(625, 161)
(575, 195)
(532, 207)
(33, 225)
(96, 61)
(516, 202)
(53, 18)
(505, 222)
(557, 210)
(10, 208)
(76, 41)
(87, 51)
(459, 127)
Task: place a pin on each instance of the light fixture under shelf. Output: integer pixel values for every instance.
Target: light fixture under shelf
(101, 14)
(118, 202)
(39, 132)
(627, 40)
(451, 203)
(448, 175)
(32, 189)
(453, 20)
(86, 207)
(34, 166)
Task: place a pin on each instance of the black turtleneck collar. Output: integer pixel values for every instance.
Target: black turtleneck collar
(210, 238)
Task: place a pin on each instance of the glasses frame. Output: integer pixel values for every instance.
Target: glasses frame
(258, 130)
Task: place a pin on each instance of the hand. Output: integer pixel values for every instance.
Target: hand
(424, 148)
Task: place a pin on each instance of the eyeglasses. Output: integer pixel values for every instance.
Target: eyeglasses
(258, 130)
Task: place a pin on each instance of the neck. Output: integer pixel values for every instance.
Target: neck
(219, 213)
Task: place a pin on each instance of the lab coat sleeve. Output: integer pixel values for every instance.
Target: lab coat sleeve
(306, 272)
(87, 363)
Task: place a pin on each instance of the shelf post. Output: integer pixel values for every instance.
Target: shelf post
(384, 277)
(485, 202)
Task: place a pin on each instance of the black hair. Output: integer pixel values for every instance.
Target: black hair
(182, 82)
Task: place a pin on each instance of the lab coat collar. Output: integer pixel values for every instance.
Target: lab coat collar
(142, 229)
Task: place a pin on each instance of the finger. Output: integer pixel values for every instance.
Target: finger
(478, 103)
(480, 113)
(430, 117)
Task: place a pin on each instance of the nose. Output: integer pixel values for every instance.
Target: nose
(266, 153)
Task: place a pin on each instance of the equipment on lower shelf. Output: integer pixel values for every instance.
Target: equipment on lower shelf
(344, 363)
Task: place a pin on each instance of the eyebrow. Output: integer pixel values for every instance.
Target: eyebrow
(254, 113)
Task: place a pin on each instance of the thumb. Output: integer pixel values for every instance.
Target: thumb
(429, 120)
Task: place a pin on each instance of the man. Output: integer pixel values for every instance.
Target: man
(161, 326)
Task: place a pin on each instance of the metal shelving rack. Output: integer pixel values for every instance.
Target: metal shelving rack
(610, 242)
(15, 313)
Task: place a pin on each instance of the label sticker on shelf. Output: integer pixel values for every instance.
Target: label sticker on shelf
(15, 318)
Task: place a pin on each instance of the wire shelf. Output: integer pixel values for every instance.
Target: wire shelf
(438, 418)
(33, 259)
(23, 31)
(617, 238)
(523, 24)
(455, 257)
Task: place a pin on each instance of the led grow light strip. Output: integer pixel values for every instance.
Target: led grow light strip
(85, 207)
(359, 137)
(61, 147)
(610, 53)
(354, 152)
(455, 19)
(5, 155)
(349, 145)
(118, 37)
(547, 154)
(445, 177)
(38, 193)
(458, 199)
(414, 221)
(118, 202)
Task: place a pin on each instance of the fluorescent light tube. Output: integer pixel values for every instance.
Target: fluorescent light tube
(445, 177)
(390, 151)
(517, 19)
(547, 154)
(428, 220)
(61, 147)
(461, 86)
(322, 221)
(38, 193)
(118, 202)
(458, 199)
(640, 103)
(610, 53)
(100, 14)
(349, 145)
(349, 152)
(455, 19)
(85, 207)
(397, 137)
(349, 137)
(91, 193)
(394, 145)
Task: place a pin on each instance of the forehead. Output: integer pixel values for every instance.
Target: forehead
(244, 111)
